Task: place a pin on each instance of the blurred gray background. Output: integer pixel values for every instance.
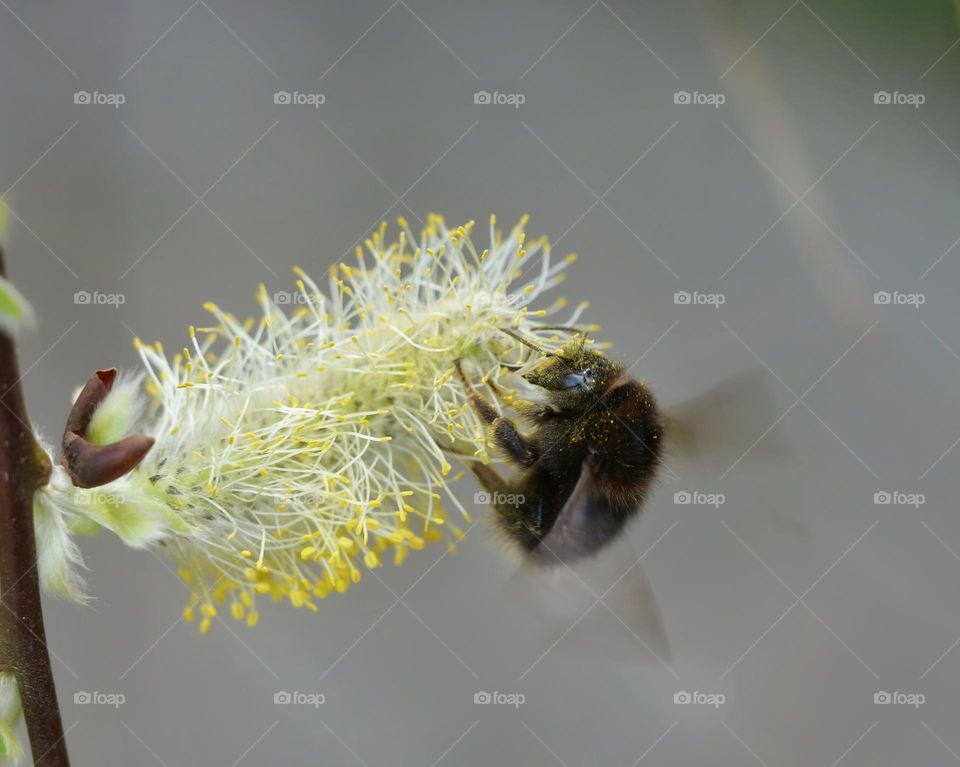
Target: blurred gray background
(799, 599)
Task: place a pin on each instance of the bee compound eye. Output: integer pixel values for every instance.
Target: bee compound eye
(574, 380)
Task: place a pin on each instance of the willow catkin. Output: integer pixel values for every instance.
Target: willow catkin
(296, 450)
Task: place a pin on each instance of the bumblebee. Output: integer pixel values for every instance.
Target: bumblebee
(589, 461)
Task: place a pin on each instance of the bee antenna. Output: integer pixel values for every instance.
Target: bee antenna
(580, 334)
(528, 343)
(574, 331)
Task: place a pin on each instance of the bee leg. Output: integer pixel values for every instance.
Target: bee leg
(500, 393)
(538, 411)
(508, 439)
(458, 453)
(505, 433)
(487, 412)
(523, 407)
(488, 477)
(507, 502)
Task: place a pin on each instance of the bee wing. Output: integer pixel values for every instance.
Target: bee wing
(584, 524)
(730, 423)
(720, 426)
(629, 625)
(566, 580)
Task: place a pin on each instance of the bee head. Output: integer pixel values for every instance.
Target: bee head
(573, 373)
